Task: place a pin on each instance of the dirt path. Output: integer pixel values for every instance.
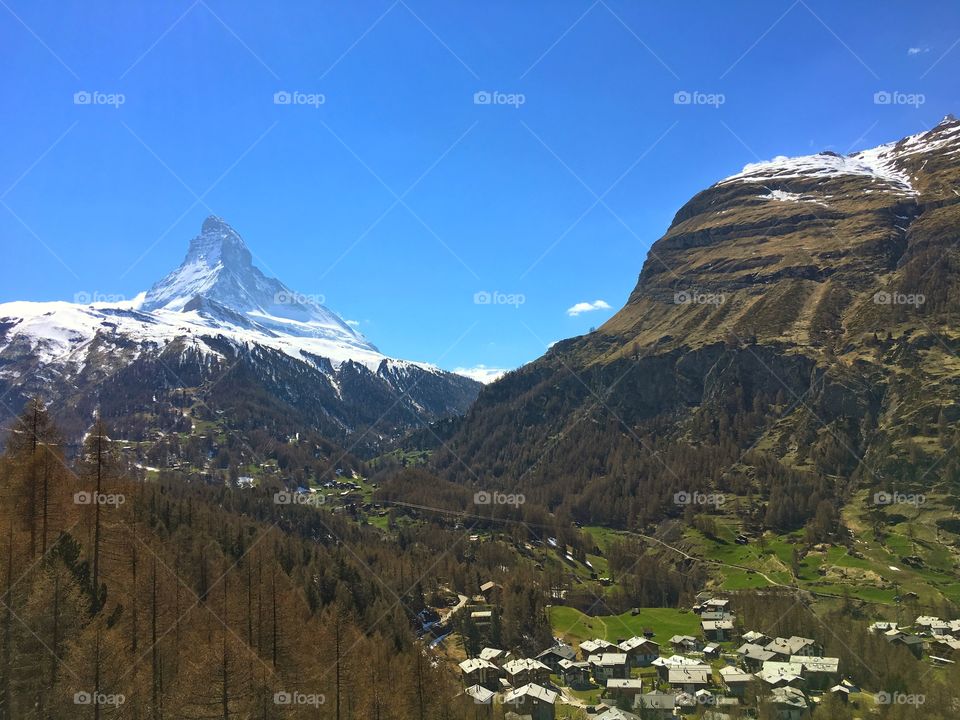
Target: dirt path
(688, 556)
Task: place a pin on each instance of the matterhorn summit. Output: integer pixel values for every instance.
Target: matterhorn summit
(218, 281)
(217, 312)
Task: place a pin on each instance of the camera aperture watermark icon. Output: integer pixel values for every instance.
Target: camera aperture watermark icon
(898, 298)
(98, 97)
(897, 97)
(495, 497)
(98, 698)
(297, 97)
(287, 497)
(91, 497)
(898, 698)
(285, 697)
(696, 497)
(696, 297)
(898, 498)
(289, 297)
(485, 297)
(90, 297)
(696, 97)
(495, 97)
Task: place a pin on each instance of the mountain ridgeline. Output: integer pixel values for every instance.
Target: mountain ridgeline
(216, 344)
(791, 337)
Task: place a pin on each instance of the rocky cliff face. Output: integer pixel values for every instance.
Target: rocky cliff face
(805, 308)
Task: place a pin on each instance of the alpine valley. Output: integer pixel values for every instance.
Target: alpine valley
(740, 492)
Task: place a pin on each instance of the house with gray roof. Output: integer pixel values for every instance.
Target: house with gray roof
(476, 671)
(640, 651)
(794, 645)
(690, 679)
(819, 672)
(534, 700)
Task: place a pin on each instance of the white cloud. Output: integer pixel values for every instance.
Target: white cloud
(481, 373)
(353, 323)
(583, 307)
(917, 50)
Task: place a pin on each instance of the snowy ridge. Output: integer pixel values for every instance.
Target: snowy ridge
(881, 164)
(875, 164)
(215, 293)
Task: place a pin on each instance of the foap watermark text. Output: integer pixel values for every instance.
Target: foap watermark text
(485, 497)
(698, 498)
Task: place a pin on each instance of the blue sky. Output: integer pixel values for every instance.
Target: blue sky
(399, 197)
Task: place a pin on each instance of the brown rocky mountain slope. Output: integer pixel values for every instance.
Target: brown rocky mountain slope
(795, 326)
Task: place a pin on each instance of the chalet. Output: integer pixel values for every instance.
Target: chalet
(894, 634)
(594, 647)
(689, 679)
(819, 672)
(711, 651)
(717, 604)
(480, 694)
(575, 674)
(624, 687)
(479, 672)
(756, 638)
(685, 643)
(946, 647)
(840, 691)
(785, 647)
(882, 626)
(913, 643)
(665, 664)
(754, 656)
(940, 628)
(788, 704)
(781, 674)
(735, 680)
(524, 671)
(640, 651)
(534, 700)
(717, 630)
(608, 665)
(925, 622)
(552, 656)
(656, 705)
(495, 655)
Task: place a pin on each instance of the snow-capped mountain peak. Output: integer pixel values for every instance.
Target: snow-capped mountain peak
(215, 312)
(218, 242)
(218, 280)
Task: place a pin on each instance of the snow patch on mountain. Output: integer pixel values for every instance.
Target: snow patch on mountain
(881, 164)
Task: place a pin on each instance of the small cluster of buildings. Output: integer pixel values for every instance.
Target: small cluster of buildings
(939, 638)
(704, 675)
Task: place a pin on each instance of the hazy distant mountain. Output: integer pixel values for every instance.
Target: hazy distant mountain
(218, 327)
